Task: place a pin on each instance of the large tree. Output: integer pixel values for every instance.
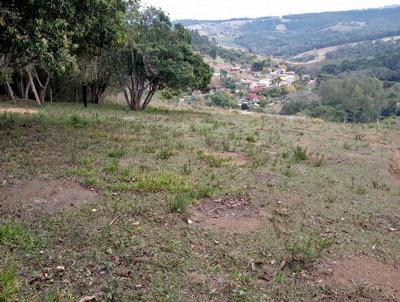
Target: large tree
(157, 56)
(41, 37)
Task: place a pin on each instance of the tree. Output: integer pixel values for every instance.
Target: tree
(259, 65)
(362, 98)
(157, 56)
(38, 38)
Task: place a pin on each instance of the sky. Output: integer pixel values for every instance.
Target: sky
(226, 9)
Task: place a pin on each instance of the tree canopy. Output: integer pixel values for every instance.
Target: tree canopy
(95, 43)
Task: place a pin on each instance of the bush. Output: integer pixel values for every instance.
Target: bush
(224, 100)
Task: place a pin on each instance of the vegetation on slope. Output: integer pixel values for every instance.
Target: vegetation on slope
(323, 193)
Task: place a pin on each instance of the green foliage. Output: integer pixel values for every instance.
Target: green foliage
(14, 235)
(299, 154)
(180, 202)
(210, 48)
(117, 153)
(56, 32)
(361, 98)
(165, 153)
(9, 285)
(305, 249)
(162, 181)
(157, 56)
(224, 100)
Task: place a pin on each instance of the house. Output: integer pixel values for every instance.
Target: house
(252, 98)
(234, 69)
(265, 82)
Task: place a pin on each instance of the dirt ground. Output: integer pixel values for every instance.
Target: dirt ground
(235, 215)
(365, 271)
(49, 196)
(395, 164)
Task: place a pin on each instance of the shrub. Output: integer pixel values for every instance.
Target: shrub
(305, 250)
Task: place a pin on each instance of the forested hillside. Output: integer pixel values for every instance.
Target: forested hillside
(294, 34)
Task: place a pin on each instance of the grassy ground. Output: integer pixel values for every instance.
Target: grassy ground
(324, 191)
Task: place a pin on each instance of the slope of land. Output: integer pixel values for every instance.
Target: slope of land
(293, 34)
(319, 55)
(195, 205)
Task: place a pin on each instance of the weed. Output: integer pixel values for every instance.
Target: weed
(213, 162)
(149, 148)
(162, 181)
(187, 168)
(165, 153)
(80, 171)
(299, 154)
(89, 181)
(180, 202)
(305, 249)
(9, 285)
(14, 235)
(346, 146)
(318, 161)
(111, 167)
(117, 153)
(121, 186)
(360, 190)
(251, 139)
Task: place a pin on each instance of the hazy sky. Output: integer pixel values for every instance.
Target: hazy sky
(225, 9)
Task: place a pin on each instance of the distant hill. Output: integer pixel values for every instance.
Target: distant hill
(293, 34)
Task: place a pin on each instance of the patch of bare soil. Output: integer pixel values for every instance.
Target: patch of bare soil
(48, 196)
(366, 271)
(234, 215)
(395, 165)
(236, 159)
(19, 110)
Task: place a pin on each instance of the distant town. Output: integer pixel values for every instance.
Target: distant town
(254, 87)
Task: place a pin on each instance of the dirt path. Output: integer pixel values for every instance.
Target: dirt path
(19, 110)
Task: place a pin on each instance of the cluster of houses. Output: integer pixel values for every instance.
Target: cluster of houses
(250, 87)
(250, 84)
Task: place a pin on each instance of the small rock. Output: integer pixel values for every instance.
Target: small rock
(189, 222)
(60, 268)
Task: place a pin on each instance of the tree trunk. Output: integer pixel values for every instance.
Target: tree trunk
(148, 98)
(33, 87)
(126, 95)
(84, 95)
(10, 91)
(27, 87)
(44, 89)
